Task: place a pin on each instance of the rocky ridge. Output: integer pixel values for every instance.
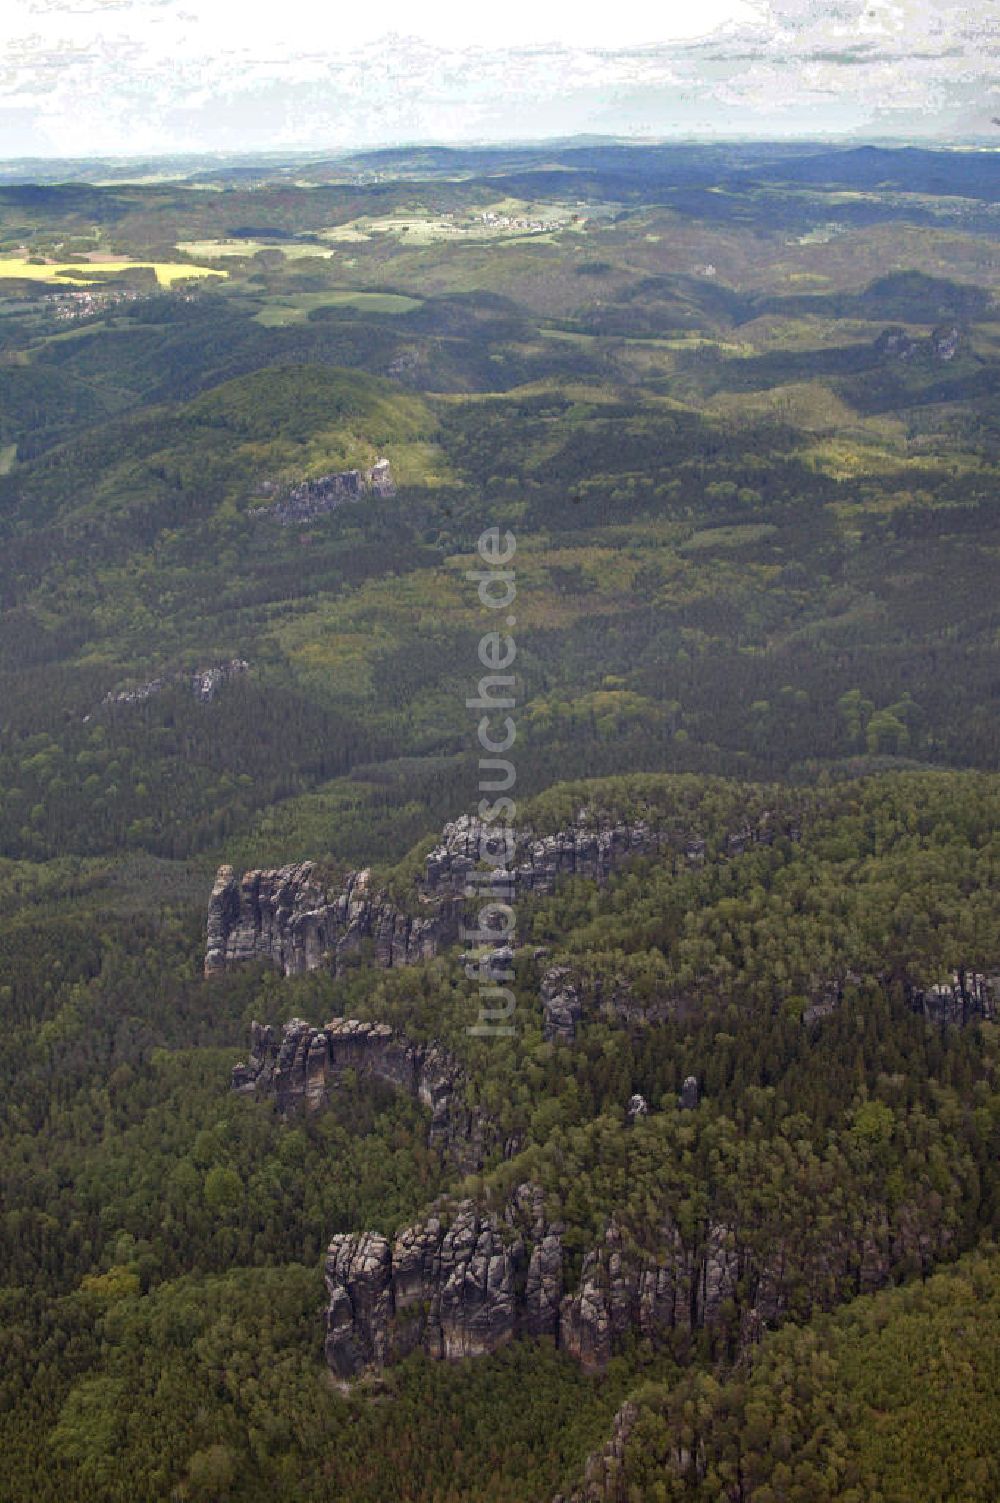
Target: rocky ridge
(314, 498)
(465, 1281)
(962, 998)
(302, 1067)
(204, 683)
(461, 1283)
(570, 996)
(286, 917)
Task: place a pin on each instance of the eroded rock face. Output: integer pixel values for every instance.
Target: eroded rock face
(562, 1005)
(895, 344)
(204, 683)
(570, 997)
(603, 1471)
(621, 1294)
(464, 1281)
(689, 1094)
(314, 498)
(301, 1067)
(942, 344)
(444, 1286)
(286, 917)
(964, 997)
(471, 851)
(946, 342)
(358, 1317)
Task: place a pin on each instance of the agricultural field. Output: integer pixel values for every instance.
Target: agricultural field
(94, 270)
(297, 307)
(211, 250)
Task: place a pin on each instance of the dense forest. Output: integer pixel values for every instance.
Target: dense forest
(736, 407)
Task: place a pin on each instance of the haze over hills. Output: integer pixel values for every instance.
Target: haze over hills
(891, 162)
(712, 1215)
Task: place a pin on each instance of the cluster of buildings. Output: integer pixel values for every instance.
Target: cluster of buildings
(493, 221)
(83, 302)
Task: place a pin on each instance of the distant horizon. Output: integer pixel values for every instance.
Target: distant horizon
(846, 140)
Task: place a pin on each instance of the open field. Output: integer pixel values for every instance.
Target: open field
(211, 250)
(75, 273)
(296, 307)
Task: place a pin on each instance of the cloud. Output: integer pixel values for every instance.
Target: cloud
(90, 7)
(138, 76)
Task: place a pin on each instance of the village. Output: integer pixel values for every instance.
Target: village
(85, 302)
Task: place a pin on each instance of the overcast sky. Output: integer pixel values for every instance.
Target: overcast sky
(129, 77)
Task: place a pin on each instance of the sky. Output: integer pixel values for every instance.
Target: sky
(141, 77)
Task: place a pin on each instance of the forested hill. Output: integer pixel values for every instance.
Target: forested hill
(734, 1172)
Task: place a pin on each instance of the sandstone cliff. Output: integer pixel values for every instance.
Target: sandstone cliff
(465, 1281)
(942, 344)
(303, 1067)
(469, 1278)
(314, 498)
(285, 916)
(963, 998)
(569, 997)
(204, 683)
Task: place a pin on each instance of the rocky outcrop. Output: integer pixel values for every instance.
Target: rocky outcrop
(825, 996)
(603, 1473)
(474, 857)
(462, 1283)
(445, 1286)
(204, 683)
(562, 1005)
(286, 917)
(942, 345)
(314, 498)
(688, 1099)
(895, 344)
(945, 342)
(301, 1068)
(570, 996)
(466, 1281)
(964, 998)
